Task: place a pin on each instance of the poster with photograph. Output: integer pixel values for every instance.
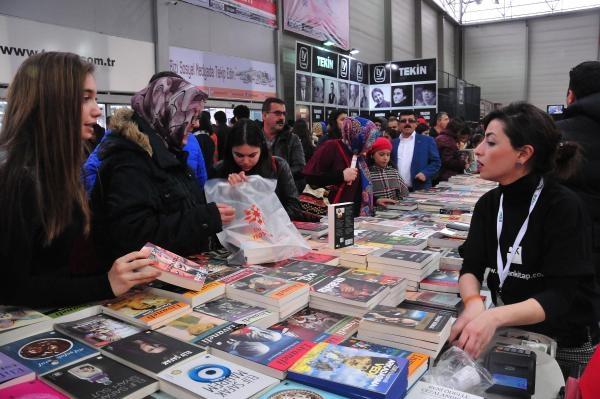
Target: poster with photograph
(331, 90)
(380, 96)
(302, 112)
(402, 96)
(318, 90)
(319, 19)
(425, 95)
(354, 95)
(262, 12)
(317, 114)
(303, 87)
(328, 112)
(364, 97)
(343, 93)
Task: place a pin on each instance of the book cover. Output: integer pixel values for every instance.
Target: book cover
(151, 350)
(426, 390)
(314, 256)
(348, 290)
(442, 280)
(97, 331)
(233, 311)
(14, 317)
(47, 351)
(210, 290)
(192, 327)
(352, 372)
(404, 257)
(100, 377)
(75, 311)
(177, 270)
(35, 389)
(13, 372)
(340, 224)
(418, 363)
(435, 299)
(267, 347)
(373, 277)
(145, 308)
(396, 241)
(317, 326)
(270, 288)
(305, 272)
(409, 319)
(212, 378)
(292, 390)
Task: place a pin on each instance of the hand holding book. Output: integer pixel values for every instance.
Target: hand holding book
(127, 272)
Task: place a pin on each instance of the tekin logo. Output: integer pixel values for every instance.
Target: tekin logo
(343, 68)
(359, 72)
(325, 62)
(379, 74)
(303, 57)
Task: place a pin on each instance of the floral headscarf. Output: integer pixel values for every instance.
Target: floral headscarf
(359, 134)
(168, 105)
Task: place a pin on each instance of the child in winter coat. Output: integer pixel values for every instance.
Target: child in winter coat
(388, 186)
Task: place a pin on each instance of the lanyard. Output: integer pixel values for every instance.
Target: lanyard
(504, 269)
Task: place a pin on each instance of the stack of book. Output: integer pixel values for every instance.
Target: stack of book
(451, 260)
(318, 326)
(317, 257)
(436, 300)
(410, 265)
(356, 255)
(397, 285)
(239, 312)
(301, 271)
(314, 230)
(347, 295)
(175, 269)
(406, 328)
(441, 281)
(275, 294)
(388, 240)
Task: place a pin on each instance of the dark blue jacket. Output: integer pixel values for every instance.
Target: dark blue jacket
(426, 160)
(195, 161)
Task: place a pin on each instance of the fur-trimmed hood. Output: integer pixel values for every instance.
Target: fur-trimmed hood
(122, 124)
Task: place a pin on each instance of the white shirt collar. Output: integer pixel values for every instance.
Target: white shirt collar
(409, 138)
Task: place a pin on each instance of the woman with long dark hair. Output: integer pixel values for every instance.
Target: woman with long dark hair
(305, 135)
(246, 153)
(535, 236)
(51, 110)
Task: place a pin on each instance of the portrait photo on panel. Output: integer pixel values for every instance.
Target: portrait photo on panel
(354, 96)
(380, 96)
(402, 96)
(317, 90)
(364, 96)
(331, 89)
(343, 93)
(425, 95)
(303, 87)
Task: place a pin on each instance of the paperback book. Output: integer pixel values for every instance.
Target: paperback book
(399, 257)
(15, 317)
(350, 291)
(193, 327)
(177, 270)
(441, 281)
(209, 377)
(340, 221)
(13, 372)
(47, 351)
(303, 271)
(427, 390)
(351, 372)
(315, 230)
(97, 331)
(292, 390)
(318, 326)
(210, 290)
(35, 389)
(150, 352)
(266, 351)
(101, 377)
(145, 309)
(239, 312)
(317, 257)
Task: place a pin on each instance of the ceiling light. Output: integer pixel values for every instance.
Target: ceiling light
(328, 43)
(354, 51)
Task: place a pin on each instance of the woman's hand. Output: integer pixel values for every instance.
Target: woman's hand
(350, 174)
(130, 270)
(473, 309)
(227, 213)
(478, 333)
(385, 201)
(236, 178)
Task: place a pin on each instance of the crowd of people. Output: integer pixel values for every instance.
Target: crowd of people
(143, 182)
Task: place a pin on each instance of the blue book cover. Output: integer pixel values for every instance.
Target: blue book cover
(356, 373)
(292, 390)
(47, 351)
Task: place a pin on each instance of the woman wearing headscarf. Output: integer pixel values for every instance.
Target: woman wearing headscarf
(145, 192)
(331, 164)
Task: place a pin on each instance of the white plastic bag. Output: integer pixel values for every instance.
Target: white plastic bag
(261, 231)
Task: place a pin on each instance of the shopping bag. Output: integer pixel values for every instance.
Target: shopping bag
(261, 231)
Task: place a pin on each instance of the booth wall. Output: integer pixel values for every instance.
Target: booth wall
(403, 30)
(450, 50)
(429, 31)
(367, 29)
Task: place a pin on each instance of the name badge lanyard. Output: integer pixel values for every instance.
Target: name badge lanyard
(503, 270)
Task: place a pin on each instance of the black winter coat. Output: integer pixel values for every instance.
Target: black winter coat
(581, 124)
(146, 193)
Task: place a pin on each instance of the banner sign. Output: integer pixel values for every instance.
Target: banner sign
(319, 19)
(224, 77)
(262, 12)
(117, 68)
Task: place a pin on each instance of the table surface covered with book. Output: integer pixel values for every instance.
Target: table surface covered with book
(364, 321)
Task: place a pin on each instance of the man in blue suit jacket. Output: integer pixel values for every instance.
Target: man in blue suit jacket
(415, 156)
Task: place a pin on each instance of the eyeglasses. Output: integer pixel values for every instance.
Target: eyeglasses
(277, 113)
(407, 120)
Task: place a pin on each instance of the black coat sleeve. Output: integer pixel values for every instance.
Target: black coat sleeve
(474, 249)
